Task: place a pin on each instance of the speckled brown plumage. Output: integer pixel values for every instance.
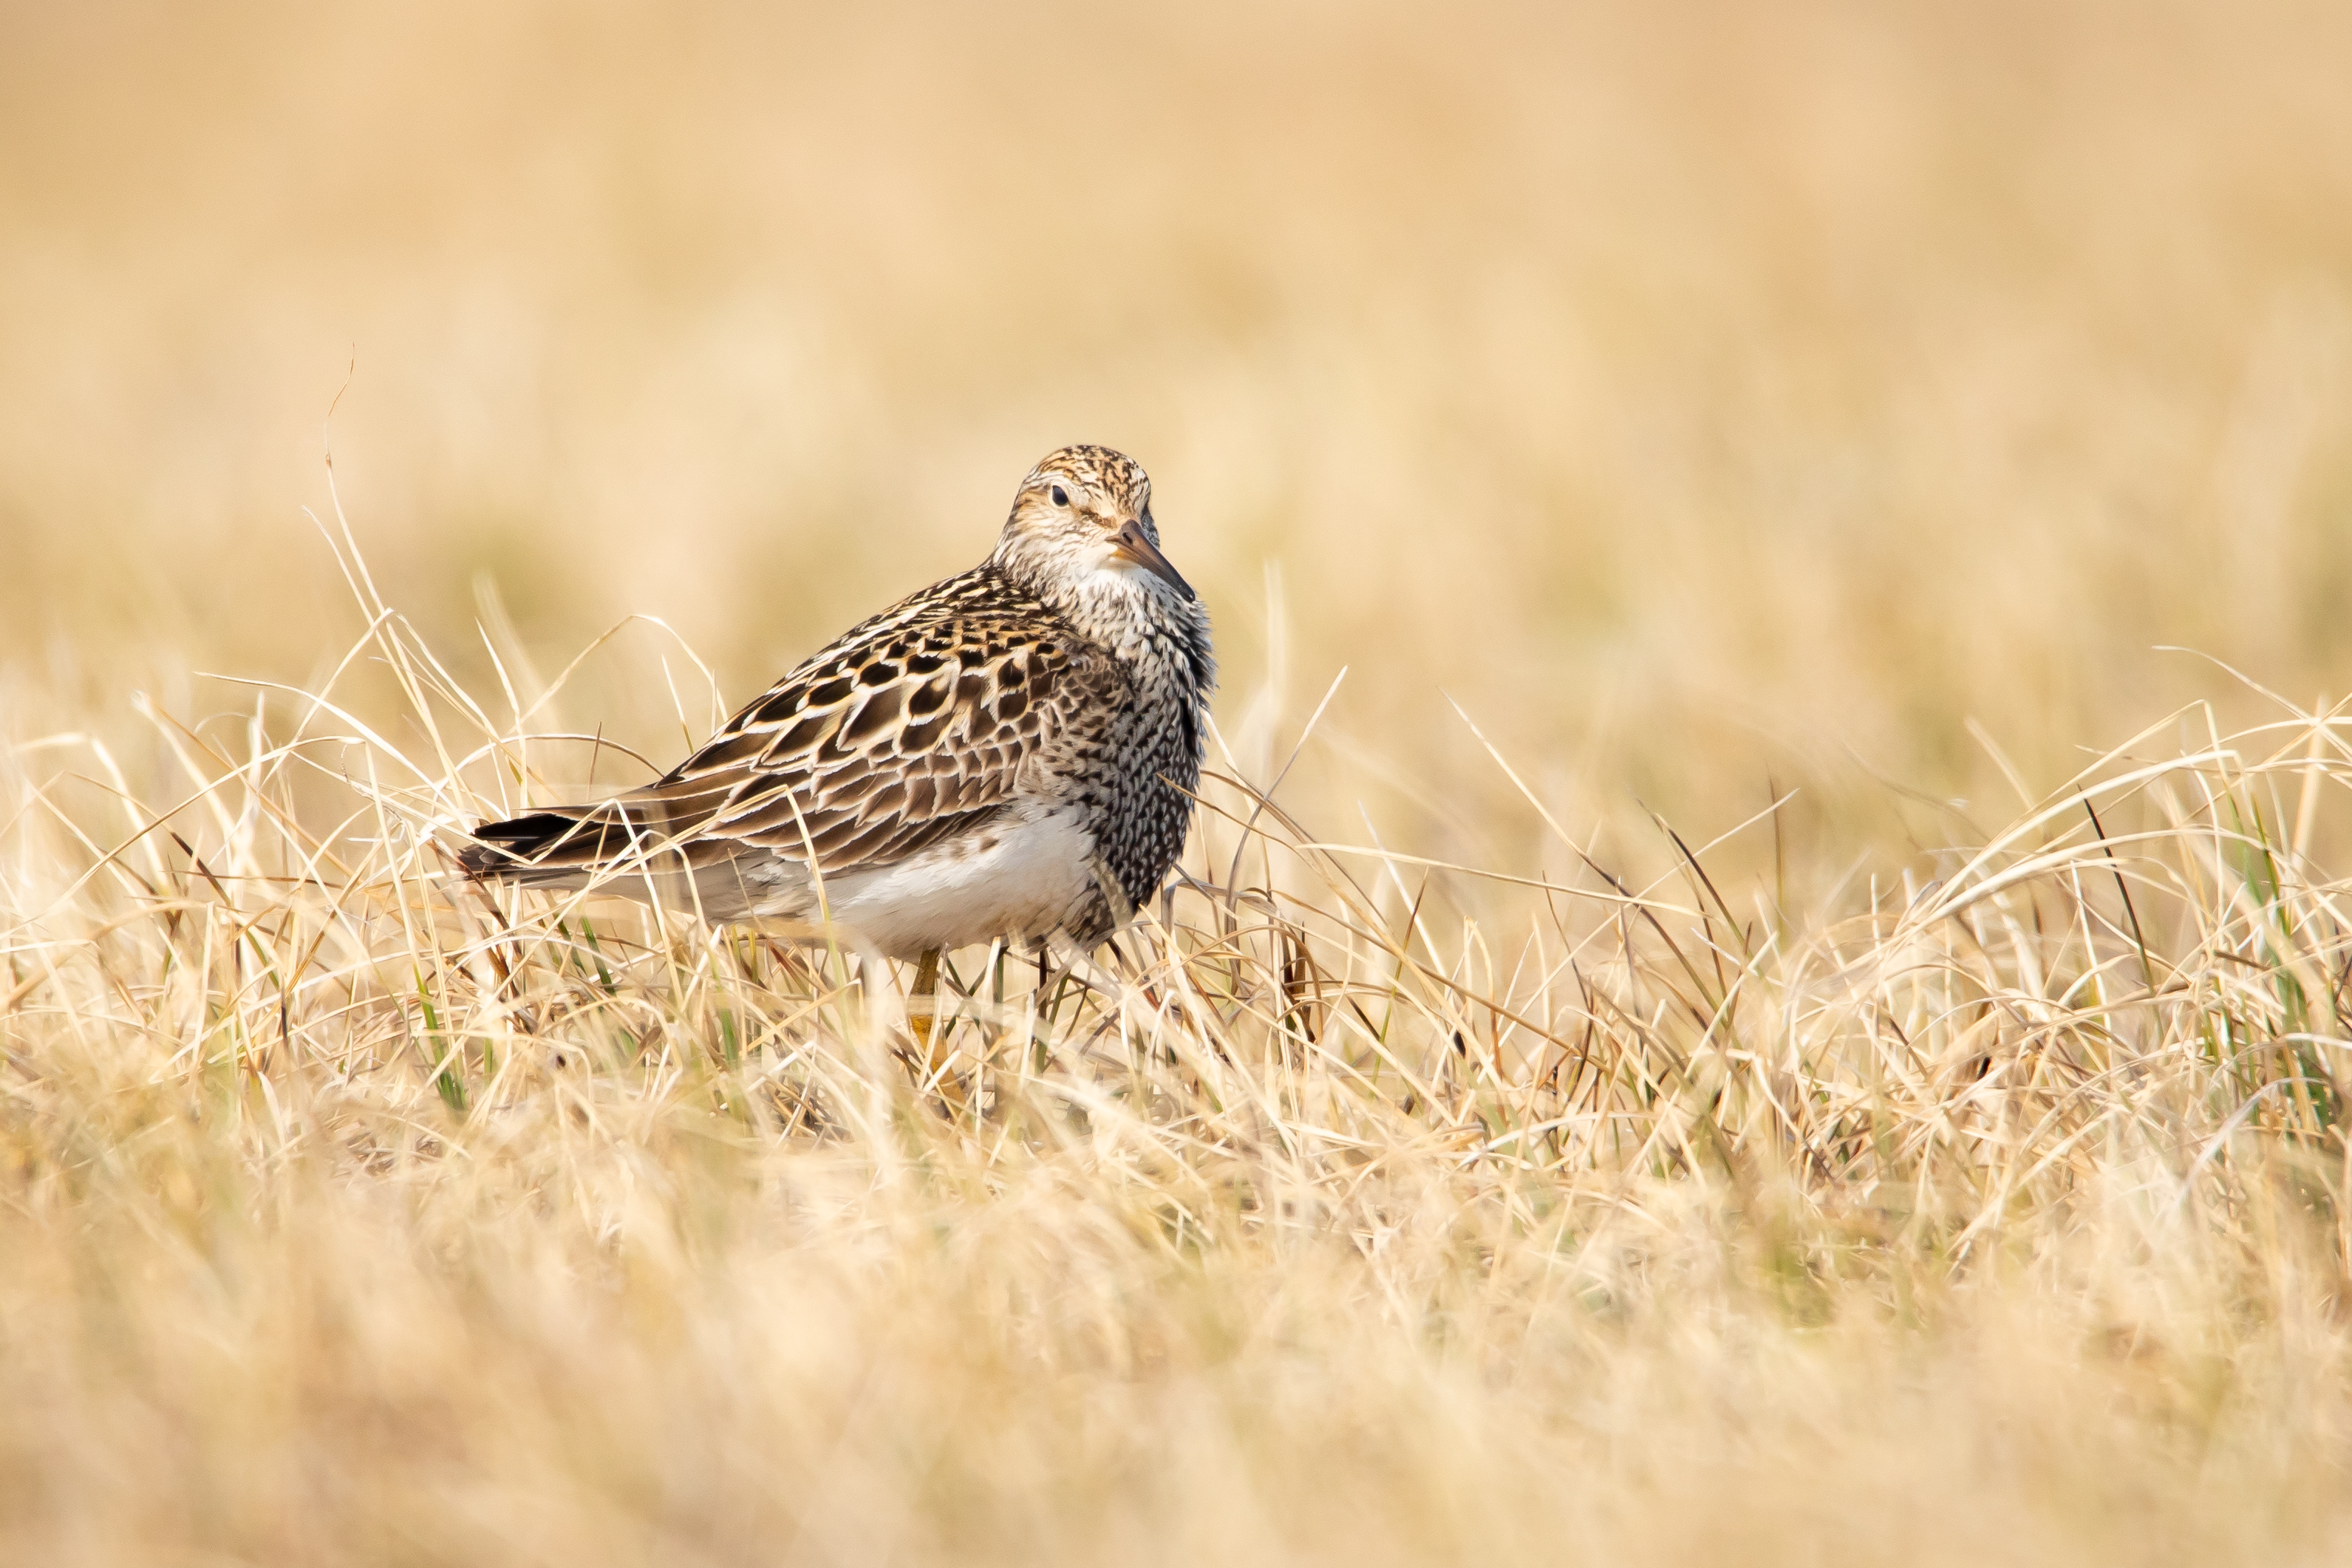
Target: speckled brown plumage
(1007, 752)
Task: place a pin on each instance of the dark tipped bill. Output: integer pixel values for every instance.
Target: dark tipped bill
(1133, 546)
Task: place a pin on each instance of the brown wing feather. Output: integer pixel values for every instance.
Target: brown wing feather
(917, 725)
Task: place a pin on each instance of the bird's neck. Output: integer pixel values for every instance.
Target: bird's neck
(1135, 617)
(1115, 611)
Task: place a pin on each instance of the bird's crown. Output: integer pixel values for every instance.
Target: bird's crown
(1097, 479)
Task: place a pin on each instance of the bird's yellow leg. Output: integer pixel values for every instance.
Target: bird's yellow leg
(922, 1009)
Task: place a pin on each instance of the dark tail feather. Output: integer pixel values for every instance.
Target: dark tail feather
(632, 849)
(571, 846)
(551, 848)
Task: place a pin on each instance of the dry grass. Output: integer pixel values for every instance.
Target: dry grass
(1362, 1209)
(1551, 1149)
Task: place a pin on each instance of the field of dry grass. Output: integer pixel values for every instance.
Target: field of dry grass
(1772, 1012)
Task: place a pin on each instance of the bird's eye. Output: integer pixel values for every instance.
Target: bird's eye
(1061, 495)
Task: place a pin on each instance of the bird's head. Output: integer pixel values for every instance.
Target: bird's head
(1083, 520)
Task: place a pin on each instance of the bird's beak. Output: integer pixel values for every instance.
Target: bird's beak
(1129, 544)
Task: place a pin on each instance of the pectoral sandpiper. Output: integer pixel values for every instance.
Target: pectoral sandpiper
(1008, 754)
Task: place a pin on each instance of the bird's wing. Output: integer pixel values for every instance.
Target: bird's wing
(919, 723)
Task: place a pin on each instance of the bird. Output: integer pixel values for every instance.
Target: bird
(1010, 754)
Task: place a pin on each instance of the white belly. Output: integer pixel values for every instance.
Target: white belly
(1017, 878)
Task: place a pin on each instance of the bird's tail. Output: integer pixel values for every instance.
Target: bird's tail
(562, 847)
(642, 846)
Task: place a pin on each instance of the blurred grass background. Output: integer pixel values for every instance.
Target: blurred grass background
(1700, 393)
(1713, 399)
